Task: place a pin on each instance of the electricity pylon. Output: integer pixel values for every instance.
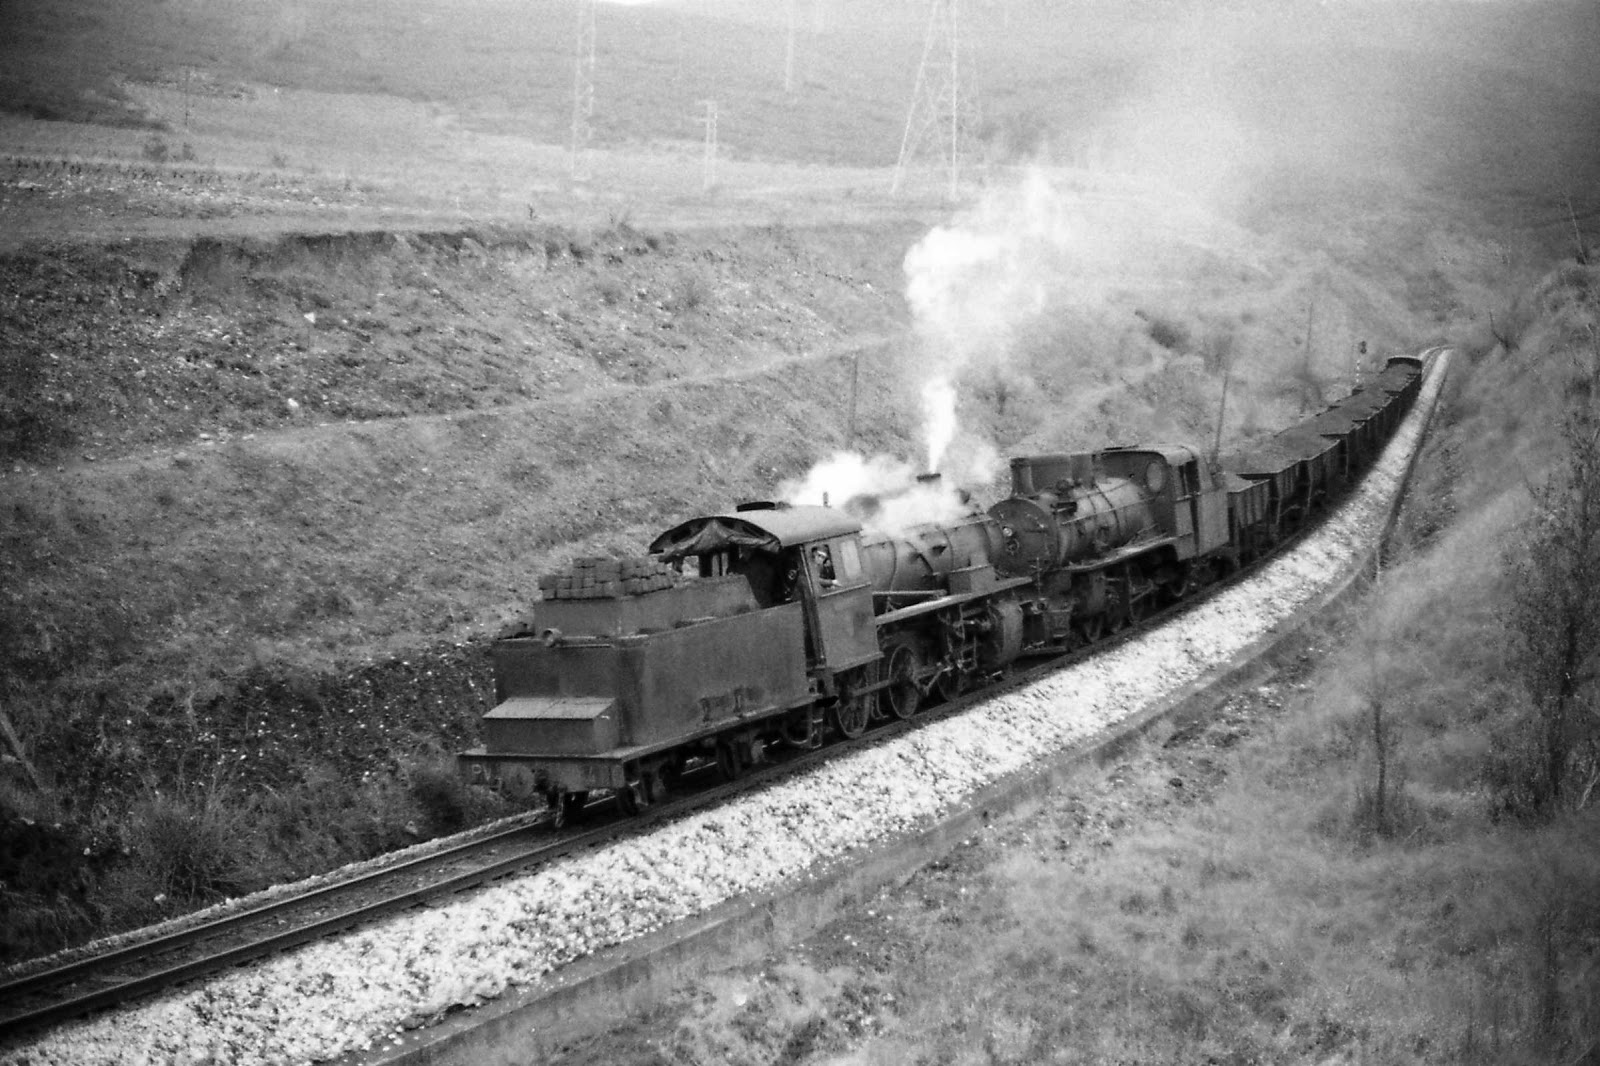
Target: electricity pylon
(709, 119)
(583, 87)
(937, 100)
(788, 55)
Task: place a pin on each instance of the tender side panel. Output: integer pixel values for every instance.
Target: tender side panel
(682, 681)
(525, 666)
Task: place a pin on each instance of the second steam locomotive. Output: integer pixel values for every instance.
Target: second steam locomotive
(786, 625)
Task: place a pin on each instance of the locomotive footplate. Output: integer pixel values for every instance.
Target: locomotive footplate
(941, 603)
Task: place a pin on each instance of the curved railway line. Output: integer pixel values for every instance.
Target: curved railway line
(35, 1000)
(43, 997)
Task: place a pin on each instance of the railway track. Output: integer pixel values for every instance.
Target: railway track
(39, 999)
(45, 997)
(619, 910)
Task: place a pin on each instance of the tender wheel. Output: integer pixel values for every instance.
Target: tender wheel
(729, 764)
(851, 714)
(902, 694)
(566, 807)
(518, 782)
(671, 777)
(636, 795)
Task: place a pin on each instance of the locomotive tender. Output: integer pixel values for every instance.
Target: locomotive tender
(787, 625)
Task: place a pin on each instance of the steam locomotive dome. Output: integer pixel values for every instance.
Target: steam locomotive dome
(1061, 512)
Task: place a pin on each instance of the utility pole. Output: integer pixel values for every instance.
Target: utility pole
(788, 58)
(855, 382)
(709, 119)
(583, 88)
(1222, 410)
(936, 99)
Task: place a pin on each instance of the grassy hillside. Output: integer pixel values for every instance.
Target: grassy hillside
(249, 551)
(1347, 862)
(1433, 90)
(305, 379)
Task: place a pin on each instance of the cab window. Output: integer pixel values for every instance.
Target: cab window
(847, 557)
(822, 566)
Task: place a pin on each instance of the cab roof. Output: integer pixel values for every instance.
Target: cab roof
(770, 527)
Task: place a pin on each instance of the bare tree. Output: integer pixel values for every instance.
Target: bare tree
(1555, 615)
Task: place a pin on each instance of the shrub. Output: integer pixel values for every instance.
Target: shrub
(194, 846)
(1167, 332)
(447, 802)
(690, 291)
(610, 290)
(1555, 622)
(31, 419)
(1512, 324)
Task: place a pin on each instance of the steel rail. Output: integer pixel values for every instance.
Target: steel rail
(136, 951)
(136, 987)
(789, 763)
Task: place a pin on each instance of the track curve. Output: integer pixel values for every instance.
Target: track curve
(625, 883)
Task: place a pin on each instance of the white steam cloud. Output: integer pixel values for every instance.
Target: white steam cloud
(882, 492)
(971, 285)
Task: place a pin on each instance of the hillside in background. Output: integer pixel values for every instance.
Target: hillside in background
(314, 354)
(470, 105)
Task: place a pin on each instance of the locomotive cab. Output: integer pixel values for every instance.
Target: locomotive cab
(805, 555)
(1186, 501)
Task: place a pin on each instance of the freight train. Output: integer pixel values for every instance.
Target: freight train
(774, 625)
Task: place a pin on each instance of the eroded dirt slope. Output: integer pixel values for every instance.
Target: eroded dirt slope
(267, 496)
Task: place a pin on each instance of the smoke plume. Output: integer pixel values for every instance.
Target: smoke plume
(971, 284)
(883, 493)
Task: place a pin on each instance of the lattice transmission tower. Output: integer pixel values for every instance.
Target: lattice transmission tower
(583, 88)
(709, 120)
(941, 110)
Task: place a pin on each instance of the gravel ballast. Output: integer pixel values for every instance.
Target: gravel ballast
(364, 989)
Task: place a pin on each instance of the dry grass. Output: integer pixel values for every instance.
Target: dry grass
(515, 398)
(1278, 925)
(494, 403)
(1278, 920)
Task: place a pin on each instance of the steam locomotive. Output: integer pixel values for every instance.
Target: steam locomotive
(776, 625)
